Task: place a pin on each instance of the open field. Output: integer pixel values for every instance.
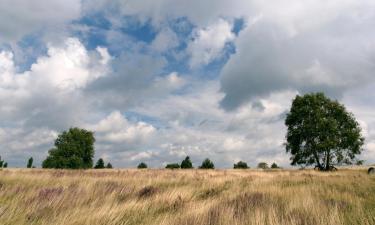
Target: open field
(194, 197)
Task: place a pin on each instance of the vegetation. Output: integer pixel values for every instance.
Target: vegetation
(189, 197)
(263, 165)
(240, 165)
(30, 162)
(99, 164)
(207, 164)
(3, 164)
(274, 166)
(142, 165)
(186, 163)
(109, 166)
(74, 149)
(322, 133)
(172, 166)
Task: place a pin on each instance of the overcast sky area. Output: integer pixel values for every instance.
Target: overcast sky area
(157, 80)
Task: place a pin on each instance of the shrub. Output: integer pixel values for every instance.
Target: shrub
(240, 165)
(186, 163)
(207, 164)
(274, 166)
(5, 165)
(99, 164)
(142, 165)
(30, 162)
(109, 166)
(263, 165)
(173, 166)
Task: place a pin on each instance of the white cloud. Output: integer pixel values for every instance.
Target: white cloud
(166, 39)
(208, 43)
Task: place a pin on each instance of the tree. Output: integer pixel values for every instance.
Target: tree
(30, 162)
(240, 165)
(274, 166)
(109, 166)
(173, 166)
(5, 165)
(207, 164)
(74, 149)
(1, 163)
(322, 133)
(99, 164)
(263, 165)
(186, 163)
(142, 165)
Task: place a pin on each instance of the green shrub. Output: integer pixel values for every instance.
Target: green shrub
(263, 165)
(99, 164)
(186, 163)
(240, 165)
(109, 166)
(173, 166)
(142, 165)
(274, 166)
(207, 164)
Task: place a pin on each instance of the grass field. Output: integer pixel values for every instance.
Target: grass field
(194, 197)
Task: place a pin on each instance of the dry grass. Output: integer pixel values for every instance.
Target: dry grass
(186, 197)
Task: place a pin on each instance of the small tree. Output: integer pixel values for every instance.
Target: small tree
(1, 163)
(173, 166)
(207, 164)
(322, 133)
(142, 165)
(30, 162)
(263, 165)
(274, 166)
(240, 165)
(99, 164)
(5, 165)
(109, 166)
(186, 163)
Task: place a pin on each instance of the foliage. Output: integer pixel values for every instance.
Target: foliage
(173, 166)
(263, 165)
(5, 165)
(74, 149)
(99, 164)
(30, 162)
(321, 132)
(186, 163)
(274, 166)
(207, 164)
(142, 165)
(240, 165)
(109, 166)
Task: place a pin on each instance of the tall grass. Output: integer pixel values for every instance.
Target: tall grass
(186, 197)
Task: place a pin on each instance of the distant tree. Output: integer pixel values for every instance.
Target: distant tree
(274, 166)
(142, 165)
(322, 133)
(207, 164)
(240, 165)
(173, 166)
(360, 162)
(30, 162)
(263, 165)
(74, 149)
(5, 165)
(109, 166)
(99, 164)
(1, 163)
(186, 163)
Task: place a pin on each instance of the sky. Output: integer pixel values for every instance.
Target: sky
(159, 80)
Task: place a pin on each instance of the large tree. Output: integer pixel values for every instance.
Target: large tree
(74, 149)
(321, 132)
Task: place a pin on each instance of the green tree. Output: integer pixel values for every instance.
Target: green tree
(5, 165)
(263, 165)
(99, 164)
(207, 164)
(274, 166)
(142, 165)
(30, 162)
(186, 163)
(74, 149)
(1, 163)
(173, 166)
(240, 165)
(109, 166)
(321, 132)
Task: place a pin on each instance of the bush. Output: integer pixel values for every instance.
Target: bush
(207, 164)
(109, 166)
(30, 162)
(3, 164)
(74, 149)
(142, 165)
(99, 164)
(186, 163)
(173, 166)
(274, 166)
(240, 165)
(263, 165)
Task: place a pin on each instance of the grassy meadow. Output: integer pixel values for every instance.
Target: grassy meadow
(186, 197)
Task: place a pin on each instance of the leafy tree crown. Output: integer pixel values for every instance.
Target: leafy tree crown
(207, 164)
(186, 163)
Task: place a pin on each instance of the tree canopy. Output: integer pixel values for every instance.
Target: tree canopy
(142, 165)
(186, 163)
(74, 149)
(99, 164)
(207, 164)
(30, 162)
(240, 165)
(172, 166)
(263, 165)
(321, 132)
